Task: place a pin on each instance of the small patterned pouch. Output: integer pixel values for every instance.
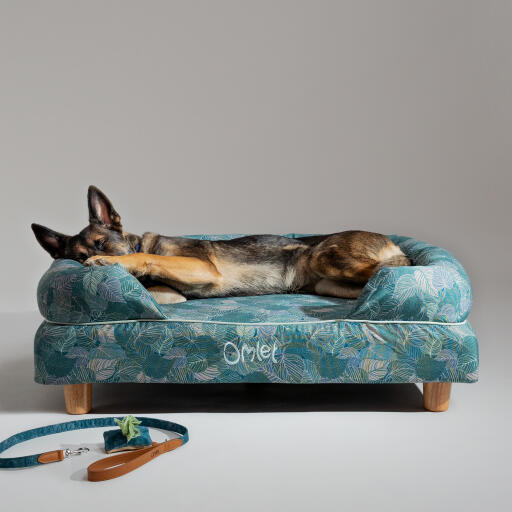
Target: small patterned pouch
(128, 437)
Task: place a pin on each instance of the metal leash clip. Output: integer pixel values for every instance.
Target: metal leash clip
(68, 452)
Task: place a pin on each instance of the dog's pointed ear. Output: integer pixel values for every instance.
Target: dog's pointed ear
(101, 210)
(51, 241)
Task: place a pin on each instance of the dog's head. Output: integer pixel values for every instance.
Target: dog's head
(103, 235)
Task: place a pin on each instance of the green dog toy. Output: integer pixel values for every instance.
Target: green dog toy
(130, 436)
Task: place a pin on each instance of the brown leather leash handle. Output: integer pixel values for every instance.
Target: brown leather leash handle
(118, 465)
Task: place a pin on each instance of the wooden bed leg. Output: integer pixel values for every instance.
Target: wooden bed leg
(436, 396)
(78, 398)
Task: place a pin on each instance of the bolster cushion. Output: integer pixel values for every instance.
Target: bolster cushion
(69, 292)
(436, 288)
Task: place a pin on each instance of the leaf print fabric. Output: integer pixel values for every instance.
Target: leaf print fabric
(184, 352)
(289, 338)
(435, 288)
(72, 293)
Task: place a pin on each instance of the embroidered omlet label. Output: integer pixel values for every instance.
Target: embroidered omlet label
(262, 351)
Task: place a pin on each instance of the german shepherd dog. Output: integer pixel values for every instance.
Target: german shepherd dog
(174, 268)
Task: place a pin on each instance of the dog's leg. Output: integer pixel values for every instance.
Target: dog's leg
(170, 269)
(166, 295)
(341, 289)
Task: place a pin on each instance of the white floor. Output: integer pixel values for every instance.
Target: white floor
(271, 448)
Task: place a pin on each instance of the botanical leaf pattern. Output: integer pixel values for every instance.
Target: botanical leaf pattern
(309, 352)
(70, 292)
(275, 338)
(435, 288)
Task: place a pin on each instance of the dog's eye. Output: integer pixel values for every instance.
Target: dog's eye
(98, 244)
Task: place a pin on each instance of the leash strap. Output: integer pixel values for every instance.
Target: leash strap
(103, 469)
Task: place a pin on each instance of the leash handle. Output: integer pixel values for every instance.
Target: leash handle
(118, 465)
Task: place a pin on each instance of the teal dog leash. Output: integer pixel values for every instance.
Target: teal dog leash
(104, 469)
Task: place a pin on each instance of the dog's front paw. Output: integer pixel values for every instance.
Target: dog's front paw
(99, 261)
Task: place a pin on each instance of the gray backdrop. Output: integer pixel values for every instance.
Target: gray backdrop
(267, 116)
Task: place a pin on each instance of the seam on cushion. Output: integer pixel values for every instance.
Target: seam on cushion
(340, 320)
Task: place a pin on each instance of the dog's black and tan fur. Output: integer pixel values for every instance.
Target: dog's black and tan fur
(176, 268)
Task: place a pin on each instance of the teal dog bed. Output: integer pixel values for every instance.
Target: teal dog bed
(408, 325)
